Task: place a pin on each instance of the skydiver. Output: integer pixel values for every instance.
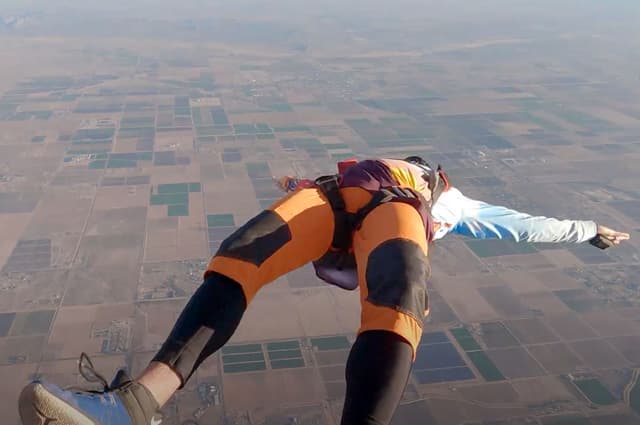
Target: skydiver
(369, 227)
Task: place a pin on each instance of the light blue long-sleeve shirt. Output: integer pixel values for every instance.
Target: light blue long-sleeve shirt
(456, 213)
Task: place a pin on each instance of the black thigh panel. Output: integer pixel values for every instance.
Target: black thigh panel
(397, 273)
(258, 239)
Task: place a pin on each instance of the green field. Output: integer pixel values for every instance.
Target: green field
(238, 349)
(32, 323)
(285, 354)
(283, 345)
(292, 129)
(220, 220)
(258, 169)
(179, 188)
(170, 198)
(244, 367)
(175, 196)
(330, 343)
(287, 364)
(596, 392)
(485, 366)
(98, 164)
(242, 358)
(497, 248)
(180, 210)
(121, 163)
(464, 338)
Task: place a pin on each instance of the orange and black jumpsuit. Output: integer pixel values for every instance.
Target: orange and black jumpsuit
(389, 246)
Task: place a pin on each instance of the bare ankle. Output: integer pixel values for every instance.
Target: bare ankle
(161, 381)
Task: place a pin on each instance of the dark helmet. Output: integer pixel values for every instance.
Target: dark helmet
(415, 159)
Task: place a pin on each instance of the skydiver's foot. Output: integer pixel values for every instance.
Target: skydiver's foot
(124, 402)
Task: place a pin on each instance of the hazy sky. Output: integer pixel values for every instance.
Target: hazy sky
(450, 8)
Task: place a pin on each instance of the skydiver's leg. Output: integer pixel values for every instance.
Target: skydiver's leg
(391, 252)
(291, 233)
(296, 230)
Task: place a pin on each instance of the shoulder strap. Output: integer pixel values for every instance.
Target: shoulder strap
(330, 187)
(438, 183)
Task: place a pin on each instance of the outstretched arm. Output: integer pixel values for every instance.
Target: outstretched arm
(485, 221)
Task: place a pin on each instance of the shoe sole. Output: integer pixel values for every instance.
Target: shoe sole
(38, 406)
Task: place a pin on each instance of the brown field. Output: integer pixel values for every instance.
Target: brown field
(556, 358)
(414, 413)
(192, 233)
(27, 349)
(167, 174)
(74, 329)
(102, 285)
(556, 280)
(117, 221)
(324, 311)
(531, 331)
(237, 199)
(542, 389)
(272, 389)
(449, 412)
(545, 302)
(18, 375)
(498, 393)
(461, 294)
(529, 262)
(112, 250)
(121, 197)
(561, 258)
(65, 372)
(569, 326)
(332, 373)
(271, 316)
(504, 300)
(59, 213)
(608, 323)
(454, 258)
(598, 354)
(182, 278)
(11, 227)
(161, 237)
(515, 362)
(522, 282)
(154, 321)
(26, 291)
(629, 346)
(179, 141)
(338, 357)
(124, 146)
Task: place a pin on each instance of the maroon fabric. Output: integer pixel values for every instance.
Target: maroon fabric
(369, 174)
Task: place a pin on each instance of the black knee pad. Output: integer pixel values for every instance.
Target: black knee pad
(397, 273)
(258, 239)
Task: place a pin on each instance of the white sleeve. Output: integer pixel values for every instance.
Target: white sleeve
(485, 221)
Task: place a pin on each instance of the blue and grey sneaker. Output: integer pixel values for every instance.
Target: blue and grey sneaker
(124, 402)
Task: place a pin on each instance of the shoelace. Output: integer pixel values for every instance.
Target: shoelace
(88, 371)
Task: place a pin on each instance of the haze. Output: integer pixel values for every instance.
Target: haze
(136, 135)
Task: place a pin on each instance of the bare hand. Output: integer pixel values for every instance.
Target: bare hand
(612, 235)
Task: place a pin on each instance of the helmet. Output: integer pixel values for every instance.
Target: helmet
(415, 159)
